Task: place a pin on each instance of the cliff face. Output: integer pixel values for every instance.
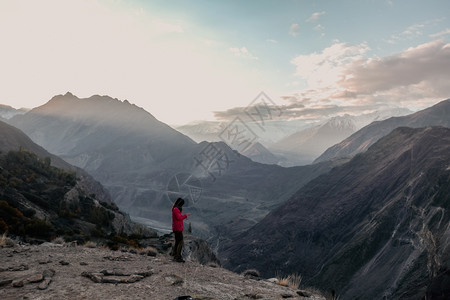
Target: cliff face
(377, 226)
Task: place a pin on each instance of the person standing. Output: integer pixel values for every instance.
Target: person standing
(177, 228)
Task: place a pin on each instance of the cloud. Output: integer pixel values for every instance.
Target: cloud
(315, 16)
(243, 53)
(342, 79)
(427, 63)
(294, 29)
(441, 33)
(272, 41)
(326, 68)
(319, 27)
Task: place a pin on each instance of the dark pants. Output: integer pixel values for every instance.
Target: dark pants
(178, 244)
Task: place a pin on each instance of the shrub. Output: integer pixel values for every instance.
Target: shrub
(58, 240)
(251, 273)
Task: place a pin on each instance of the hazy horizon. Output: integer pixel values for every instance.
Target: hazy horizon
(186, 61)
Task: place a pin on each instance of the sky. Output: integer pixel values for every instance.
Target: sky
(207, 60)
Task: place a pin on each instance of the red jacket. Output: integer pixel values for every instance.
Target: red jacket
(177, 219)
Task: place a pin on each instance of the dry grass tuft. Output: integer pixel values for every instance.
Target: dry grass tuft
(292, 281)
(58, 240)
(149, 251)
(90, 244)
(3, 240)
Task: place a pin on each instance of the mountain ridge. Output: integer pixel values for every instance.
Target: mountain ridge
(142, 164)
(366, 227)
(436, 115)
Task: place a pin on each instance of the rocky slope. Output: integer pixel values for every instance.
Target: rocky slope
(145, 163)
(375, 227)
(55, 271)
(13, 139)
(360, 141)
(41, 195)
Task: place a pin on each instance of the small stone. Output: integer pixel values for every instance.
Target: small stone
(110, 280)
(44, 284)
(48, 273)
(44, 262)
(304, 294)
(134, 278)
(82, 263)
(17, 283)
(64, 263)
(35, 278)
(285, 296)
(5, 282)
(254, 296)
(144, 274)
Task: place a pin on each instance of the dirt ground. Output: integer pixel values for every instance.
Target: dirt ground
(52, 271)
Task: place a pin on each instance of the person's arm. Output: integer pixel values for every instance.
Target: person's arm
(178, 215)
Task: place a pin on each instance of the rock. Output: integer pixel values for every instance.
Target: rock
(144, 274)
(44, 262)
(64, 263)
(5, 282)
(35, 278)
(253, 296)
(174, 279)
(18, 283)
(285, 296)
(302, 293)
(95, 277)
(22, 267)
(134, 278)
(111, 280)
(82, 263)
(48, 273)
(44, 284)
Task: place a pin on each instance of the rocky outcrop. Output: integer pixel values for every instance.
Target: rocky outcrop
(98, 273)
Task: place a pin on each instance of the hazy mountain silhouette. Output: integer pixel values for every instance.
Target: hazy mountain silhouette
(144, 163)
(374, 227)
(437, 115)
(7, 112)
(303, 147)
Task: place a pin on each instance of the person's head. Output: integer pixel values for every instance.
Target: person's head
(178, 203)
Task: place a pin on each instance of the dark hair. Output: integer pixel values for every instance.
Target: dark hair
(178, 204)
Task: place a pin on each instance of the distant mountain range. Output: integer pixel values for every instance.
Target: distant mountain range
(302, 147)
(144, 164)
(375, 227)
(7, 112)
(437, 115)
(293, 142)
